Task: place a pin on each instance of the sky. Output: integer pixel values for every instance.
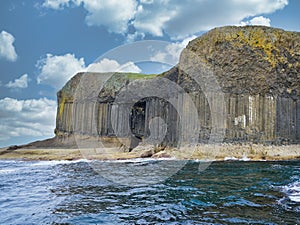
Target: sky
(43, 43)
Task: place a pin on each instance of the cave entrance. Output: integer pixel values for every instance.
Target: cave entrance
(137, 119)
(137, 123)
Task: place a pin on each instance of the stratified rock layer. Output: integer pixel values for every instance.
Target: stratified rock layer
(254, 95)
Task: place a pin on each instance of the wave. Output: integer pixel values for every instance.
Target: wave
(292, 191)
(137, 160)
(8, 167)
(59, 162)
(232, 158)
(7, 171)
(244, 158)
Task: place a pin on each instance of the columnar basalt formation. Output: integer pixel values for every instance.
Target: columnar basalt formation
(257, 69)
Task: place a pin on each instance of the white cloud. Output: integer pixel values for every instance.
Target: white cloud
(172, 51)
(60, 4)
(56, 4)
(32, 117)
(179, 19)
(151, 20)
(113, 14)
(7, 50)
(109, 65)
(259, 20)
(57, 70)
(21, 82)
(188, 19)
(132, 37)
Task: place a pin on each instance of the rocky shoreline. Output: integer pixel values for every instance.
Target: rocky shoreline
(251, 152)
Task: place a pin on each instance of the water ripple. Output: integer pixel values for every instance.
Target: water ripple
(225, 193)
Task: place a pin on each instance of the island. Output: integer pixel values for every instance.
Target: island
(234, 94)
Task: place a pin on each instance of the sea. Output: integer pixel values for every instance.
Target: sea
(74, 192)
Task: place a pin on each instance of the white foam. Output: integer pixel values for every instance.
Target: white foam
(293, 191)
(244, 158)
(10, 161)
(230, 158)
(137, 160)
(7, 171)
(295, 198)
(58, 162)
(204, 160)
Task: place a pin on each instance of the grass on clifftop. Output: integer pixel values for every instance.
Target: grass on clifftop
(134, 76)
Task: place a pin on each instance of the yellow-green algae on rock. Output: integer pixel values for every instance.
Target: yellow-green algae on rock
(271, 43)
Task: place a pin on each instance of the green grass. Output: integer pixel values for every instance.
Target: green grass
(140, 76)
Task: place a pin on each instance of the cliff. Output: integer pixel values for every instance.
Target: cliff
(252, 60)
(254, 95)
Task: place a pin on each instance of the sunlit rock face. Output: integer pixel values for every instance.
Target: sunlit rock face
(247, 89)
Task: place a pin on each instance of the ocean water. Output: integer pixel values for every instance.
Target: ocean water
(61, 192)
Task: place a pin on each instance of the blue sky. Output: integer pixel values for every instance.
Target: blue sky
(43, 43)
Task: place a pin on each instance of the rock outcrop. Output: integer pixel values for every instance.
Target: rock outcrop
(248, 90)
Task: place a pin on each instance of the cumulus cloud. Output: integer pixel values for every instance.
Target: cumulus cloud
(57, 70)
(7, 49)
(171, 53)
(21, 82)
(179, 19)
(60, 4)
(109, 65)
(113, 14)
(259, 20)
(32, 117)
(152, 17)
(56, 4)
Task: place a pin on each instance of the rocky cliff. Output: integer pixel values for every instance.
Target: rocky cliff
(247, 90)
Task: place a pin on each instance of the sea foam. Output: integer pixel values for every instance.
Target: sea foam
(292, 191)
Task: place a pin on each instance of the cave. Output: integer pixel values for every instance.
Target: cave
(137, 119)
(147, 118)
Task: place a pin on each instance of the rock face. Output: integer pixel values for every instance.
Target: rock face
(243, 82)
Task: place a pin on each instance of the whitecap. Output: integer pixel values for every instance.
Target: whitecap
(59, 162)
(9, 161)
(292, 191)
(138, 160)
(203, 160)
(7, 171)
(244, 158)
(230, 158)
(295, 198)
